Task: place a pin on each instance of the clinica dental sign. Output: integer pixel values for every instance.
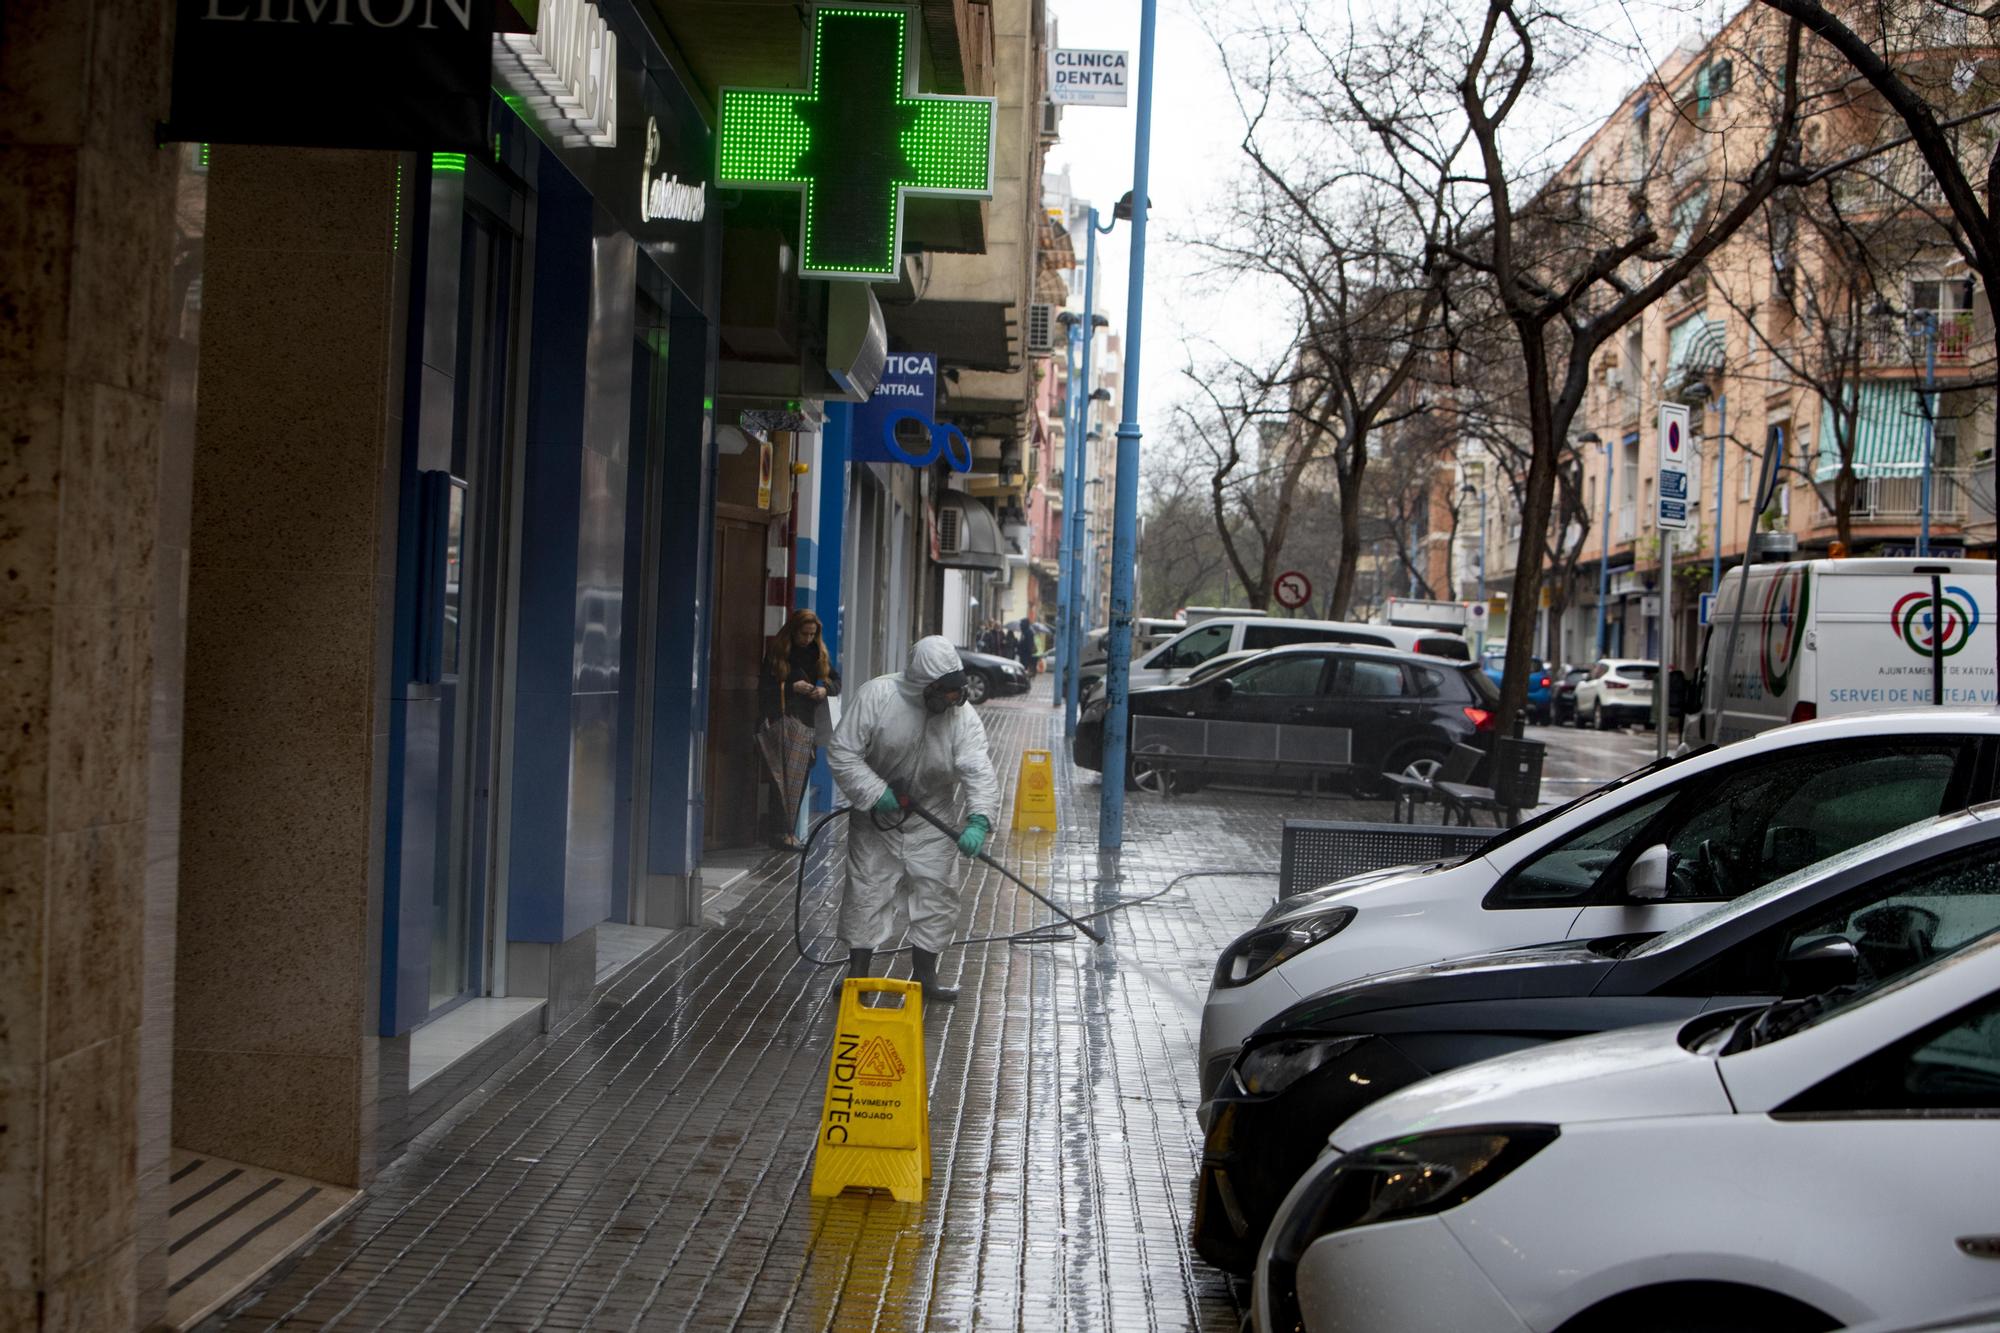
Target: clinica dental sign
(1088, 78)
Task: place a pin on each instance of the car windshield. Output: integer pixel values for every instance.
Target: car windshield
(1527, 826)
(1777, 888)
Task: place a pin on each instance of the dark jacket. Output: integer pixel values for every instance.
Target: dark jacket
(804, 666)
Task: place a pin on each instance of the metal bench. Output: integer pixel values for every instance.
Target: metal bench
(1193, 744)
(1320, 851)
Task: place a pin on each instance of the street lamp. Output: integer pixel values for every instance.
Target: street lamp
(1082, 328)
(1604, 562)
(1465, 489)
(1928, 321)
(1698, 393)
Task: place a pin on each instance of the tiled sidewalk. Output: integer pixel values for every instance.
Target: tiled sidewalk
(647, 1167)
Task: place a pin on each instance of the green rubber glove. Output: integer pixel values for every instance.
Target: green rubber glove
(973, 840)
(886, 803)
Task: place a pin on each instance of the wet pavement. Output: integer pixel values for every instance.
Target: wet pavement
(647, 1166)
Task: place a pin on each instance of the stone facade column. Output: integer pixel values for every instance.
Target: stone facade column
(87, 223)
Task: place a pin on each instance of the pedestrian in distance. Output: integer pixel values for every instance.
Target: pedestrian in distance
(1025, 646)
(798, 680)
(906, 737)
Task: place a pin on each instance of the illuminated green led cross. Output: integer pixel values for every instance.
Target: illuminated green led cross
(856, 142)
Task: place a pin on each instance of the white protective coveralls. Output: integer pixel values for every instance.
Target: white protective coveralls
(887, 738)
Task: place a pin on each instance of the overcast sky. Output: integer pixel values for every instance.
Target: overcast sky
(1196, 158)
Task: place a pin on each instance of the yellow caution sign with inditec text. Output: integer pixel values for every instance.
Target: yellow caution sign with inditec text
(875, 1130)
(1035, 792)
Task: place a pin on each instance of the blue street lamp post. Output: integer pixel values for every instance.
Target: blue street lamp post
(1604, 562)
(1125, 520)
(1066, 552)
(1930, 320)
(1073, 517)
(1721, 454)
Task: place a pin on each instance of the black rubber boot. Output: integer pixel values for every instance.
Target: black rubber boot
(923, 971)
(857, 963)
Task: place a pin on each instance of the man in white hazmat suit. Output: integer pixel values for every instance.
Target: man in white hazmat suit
(908, 735)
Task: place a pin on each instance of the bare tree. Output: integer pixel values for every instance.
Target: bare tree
(1354, 255)
(1566, 272)
(1255, 466)
(1178, 545)
(1898, 49)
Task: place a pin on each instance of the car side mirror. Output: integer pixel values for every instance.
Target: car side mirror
(1646, 880)
(1818, 964)
(1223, 689)
(1679, 697)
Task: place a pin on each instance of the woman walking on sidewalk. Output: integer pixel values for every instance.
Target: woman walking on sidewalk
(798, 680)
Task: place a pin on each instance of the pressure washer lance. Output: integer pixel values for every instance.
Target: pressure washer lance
(949, 832)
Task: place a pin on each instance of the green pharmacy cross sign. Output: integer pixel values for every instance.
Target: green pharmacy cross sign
(857, 142)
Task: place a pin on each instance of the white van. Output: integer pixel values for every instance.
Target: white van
(1194, 615)
(1228, 634)
(1820, 638)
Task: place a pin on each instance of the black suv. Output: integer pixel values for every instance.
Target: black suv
(1399, 712)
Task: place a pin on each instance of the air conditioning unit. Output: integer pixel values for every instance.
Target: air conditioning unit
(1614, 378)
(1041, 329)
(1051, 121)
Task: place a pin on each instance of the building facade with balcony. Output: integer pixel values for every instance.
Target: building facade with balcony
(1836, 338)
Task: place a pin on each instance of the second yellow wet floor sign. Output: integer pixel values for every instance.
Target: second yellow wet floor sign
(875, 1129)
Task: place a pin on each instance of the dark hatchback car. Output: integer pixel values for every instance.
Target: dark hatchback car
(1858, 918)
(1562, 708)
(988, 677)
(1402, 712)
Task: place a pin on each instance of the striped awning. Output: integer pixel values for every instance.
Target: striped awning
(1696, 346)
(1889, 432)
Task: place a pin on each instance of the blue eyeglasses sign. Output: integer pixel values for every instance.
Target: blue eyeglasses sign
(907, 392)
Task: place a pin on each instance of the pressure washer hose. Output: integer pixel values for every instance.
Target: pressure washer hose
(1054, 932)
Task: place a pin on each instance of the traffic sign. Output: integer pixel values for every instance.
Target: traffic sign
(1674, 449)
(1292, 589)
(1707, 608)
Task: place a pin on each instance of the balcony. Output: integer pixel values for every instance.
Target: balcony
(1899, 178)
(1900, 499)
(1890, 343)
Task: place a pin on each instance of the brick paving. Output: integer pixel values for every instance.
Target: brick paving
(646, 1167)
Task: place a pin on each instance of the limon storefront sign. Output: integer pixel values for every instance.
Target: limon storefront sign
(410, 74)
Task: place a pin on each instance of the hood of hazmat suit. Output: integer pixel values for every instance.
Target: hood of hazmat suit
(888, 738)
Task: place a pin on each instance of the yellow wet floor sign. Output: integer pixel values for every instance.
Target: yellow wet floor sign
(1035, 792)
(875, 1130)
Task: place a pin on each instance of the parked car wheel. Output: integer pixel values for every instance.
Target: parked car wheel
(1149, 775)
(1597, 717)
(1421, 761)
(978, 686)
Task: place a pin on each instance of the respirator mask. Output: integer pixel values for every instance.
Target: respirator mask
(945, 693)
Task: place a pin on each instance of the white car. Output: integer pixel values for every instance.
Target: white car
(1649, 852)
(1617, 691)
(1807, 1165)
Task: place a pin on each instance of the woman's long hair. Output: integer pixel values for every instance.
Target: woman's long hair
(778, 660)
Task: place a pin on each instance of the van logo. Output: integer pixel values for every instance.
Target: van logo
(1942, 625)
(1784, 625)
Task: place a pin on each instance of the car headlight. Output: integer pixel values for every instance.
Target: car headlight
(1409, 1177)
(1265, 1071)
(1266, 947)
